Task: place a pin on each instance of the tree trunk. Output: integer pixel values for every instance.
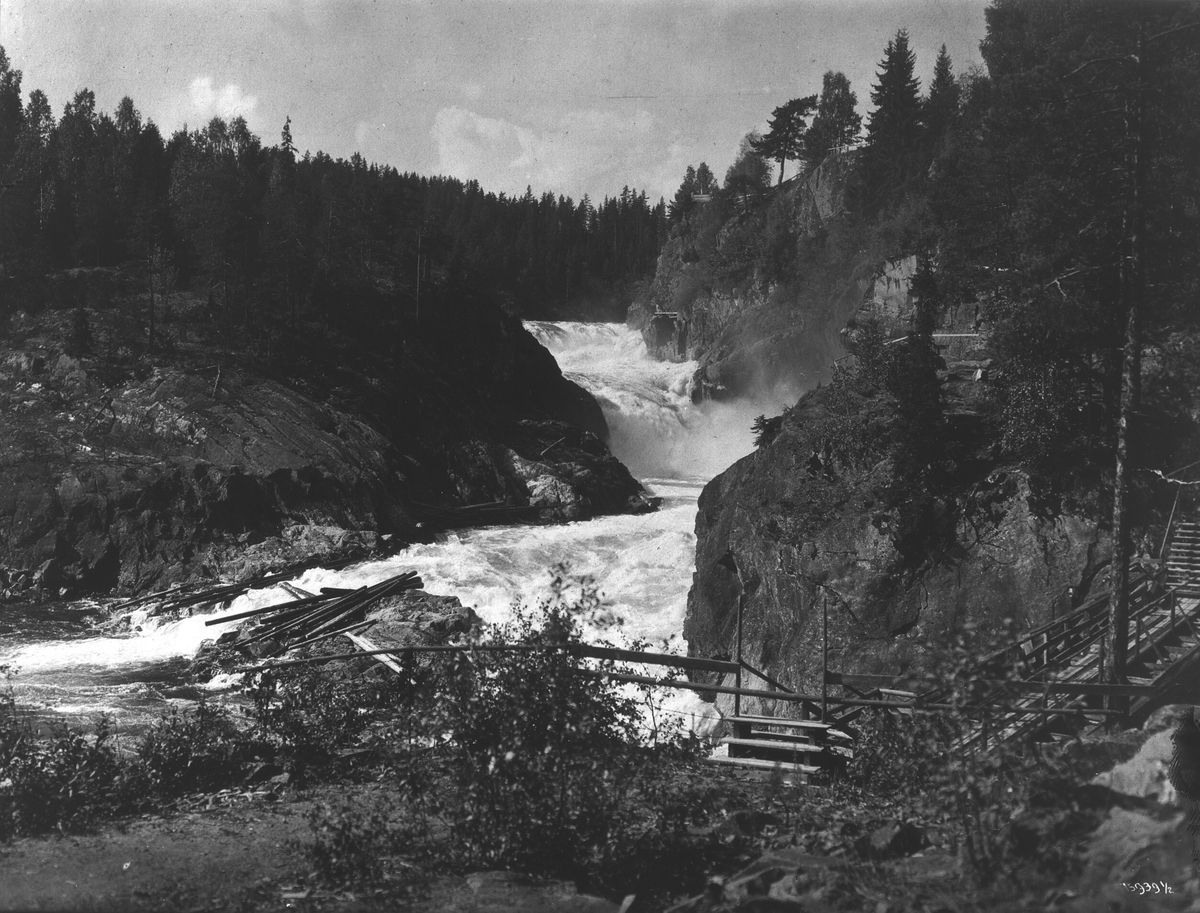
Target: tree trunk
(1132, 294)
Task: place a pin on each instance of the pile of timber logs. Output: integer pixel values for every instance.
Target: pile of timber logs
(311, 618)
(186, 596)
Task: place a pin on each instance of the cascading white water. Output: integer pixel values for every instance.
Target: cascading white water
(642, 564)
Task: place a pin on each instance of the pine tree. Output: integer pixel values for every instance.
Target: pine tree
(285, 138)
(894, 127)
(784, 139)
(681, 205)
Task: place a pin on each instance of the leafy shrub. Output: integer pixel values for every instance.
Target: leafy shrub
(1003, 804)
(349, 844)
(188, 752)
(549, 770)
(314, 716)
(64, 782)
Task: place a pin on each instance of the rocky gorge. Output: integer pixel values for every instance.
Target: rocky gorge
(130, 469)
(821, 515)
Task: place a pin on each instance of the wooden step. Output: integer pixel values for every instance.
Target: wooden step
(764, 745)
(901, 695)
(784, 723)
(810, 738)
(758, 764)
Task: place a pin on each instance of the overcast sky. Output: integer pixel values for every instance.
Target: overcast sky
(571, 97)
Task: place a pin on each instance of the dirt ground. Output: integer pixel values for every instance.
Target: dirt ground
(238, 855)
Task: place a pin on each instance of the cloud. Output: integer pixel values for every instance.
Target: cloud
(228, 103)
(580, 152)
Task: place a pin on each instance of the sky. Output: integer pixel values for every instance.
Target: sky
(569, 96)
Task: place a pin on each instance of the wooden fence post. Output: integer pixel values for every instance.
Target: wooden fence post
(737, 698)
(824, 658)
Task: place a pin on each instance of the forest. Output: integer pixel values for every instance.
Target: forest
(1055, 192)
(272, 237)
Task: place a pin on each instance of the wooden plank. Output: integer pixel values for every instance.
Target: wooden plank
(766, 765)
(779, 721)
(796, 748)
(369, 647)
(1055, 686)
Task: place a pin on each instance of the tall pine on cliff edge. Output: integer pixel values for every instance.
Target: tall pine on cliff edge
(892, 158)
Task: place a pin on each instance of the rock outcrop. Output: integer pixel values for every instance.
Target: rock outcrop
(791, 532)
(131, 472)
(751, 335)
(804, 524)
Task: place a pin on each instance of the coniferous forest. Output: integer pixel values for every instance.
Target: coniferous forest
(272, 236)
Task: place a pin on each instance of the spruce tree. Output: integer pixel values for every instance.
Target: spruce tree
(894, 127)
(942, 107)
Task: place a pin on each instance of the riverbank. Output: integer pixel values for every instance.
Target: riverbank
(352, 785)
(782, 849)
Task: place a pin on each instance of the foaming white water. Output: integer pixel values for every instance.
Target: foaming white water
(641, 564)
(655, 428)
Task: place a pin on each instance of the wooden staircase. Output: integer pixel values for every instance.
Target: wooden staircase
(1044, 686)
(1183, 559)
(799, 747)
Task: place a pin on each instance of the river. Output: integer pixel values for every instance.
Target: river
(68, 666)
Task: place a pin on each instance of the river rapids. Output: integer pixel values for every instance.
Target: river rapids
(68, 666)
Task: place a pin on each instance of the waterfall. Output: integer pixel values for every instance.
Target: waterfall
(642, 565)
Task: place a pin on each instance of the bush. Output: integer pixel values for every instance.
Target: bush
(64, 782)
(550, 771)
(190, 752)
(1003, 806)
(349, 844)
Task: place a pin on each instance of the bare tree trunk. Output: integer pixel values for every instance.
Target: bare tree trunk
(1132, 294)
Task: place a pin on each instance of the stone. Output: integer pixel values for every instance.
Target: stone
(1145, 775)
(264, 772)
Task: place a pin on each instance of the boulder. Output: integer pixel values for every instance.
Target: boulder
(1147, 774)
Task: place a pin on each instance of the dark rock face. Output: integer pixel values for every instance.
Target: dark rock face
(139, 474)
(794, 532)
(755, 336)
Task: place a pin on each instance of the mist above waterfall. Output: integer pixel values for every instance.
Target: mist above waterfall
(656, 429)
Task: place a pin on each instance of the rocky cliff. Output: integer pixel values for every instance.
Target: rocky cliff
(134, 470)
(717, 299)
(815, 520)
(793, 530)
(818, 518)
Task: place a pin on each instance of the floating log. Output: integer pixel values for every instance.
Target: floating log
(489, 514)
